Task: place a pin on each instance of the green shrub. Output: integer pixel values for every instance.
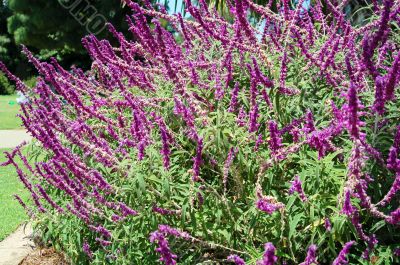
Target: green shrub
(6, 88)
(31, 82)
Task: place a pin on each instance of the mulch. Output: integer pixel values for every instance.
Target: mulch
(45, 256)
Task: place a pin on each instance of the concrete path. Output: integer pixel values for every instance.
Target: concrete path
(12, 138)
(16, 246)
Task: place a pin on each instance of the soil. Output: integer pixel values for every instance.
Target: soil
(45, 256)
(22, 248)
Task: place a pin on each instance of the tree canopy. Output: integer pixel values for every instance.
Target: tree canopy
(55, 28)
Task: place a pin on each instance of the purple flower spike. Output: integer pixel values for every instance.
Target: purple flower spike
(372, 241)
(353, 109)
(268, 204)
(159, 237)
(394, 217)
(396, 251)
(311, 256)
(269, 257)
(348, 208)
(275, 141)
(86, 249)
(163, 211)
(392, 191)
(236, 259)
(166, 139)
(241, 118)
(328, 225)
(393, 78)
(253, 118)
(309, 126)
(104, 243)
(126, 210)
(167, 256)
(197, 160)
(379, 103)
(341, 258)
(259, 142)
(296, 187)
(234, 100)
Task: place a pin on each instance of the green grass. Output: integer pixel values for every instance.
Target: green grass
(11, 213)
(8, 109)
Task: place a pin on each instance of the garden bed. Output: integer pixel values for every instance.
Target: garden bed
(45, 256)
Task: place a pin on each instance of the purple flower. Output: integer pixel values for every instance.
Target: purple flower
(268, 204)
(48, 199)
(163, 248)
(236, 259)
(194, 75)
(370, 43)
(234, 100)
(372, 241)
(309, 125)
(166, 139)
(396, 251)
(311, 256)
(116, 218)
(296, 187)
(394, 217)
(159, 237)
(348, 209)
(260, 77)
(275, 141)
(259, 142)
(241, 118)
(167, 230)
(126, 210)
(266, 98)
(102, 230)
(269, 257)
(219, 91)
(341, 258)
(253, 118)
(392, 77)
(197, 160)
(379, 103)
(104, 243)
(328, 225)
(86, 249)
(396, 141)
(283, 72)
(163, 211)
(241, 19)
(353, 112)
(392, 191)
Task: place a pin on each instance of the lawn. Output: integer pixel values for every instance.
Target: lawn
(12, 214)
(8, 109)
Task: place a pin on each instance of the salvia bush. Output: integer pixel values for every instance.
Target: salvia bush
(223, 142)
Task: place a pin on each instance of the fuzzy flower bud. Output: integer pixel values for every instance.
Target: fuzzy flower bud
(269, 257)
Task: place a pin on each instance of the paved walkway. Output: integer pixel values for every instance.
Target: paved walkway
(12, 138)
(16, 246)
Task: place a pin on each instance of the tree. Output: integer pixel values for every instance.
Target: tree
(9, 51)
(55, 28)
